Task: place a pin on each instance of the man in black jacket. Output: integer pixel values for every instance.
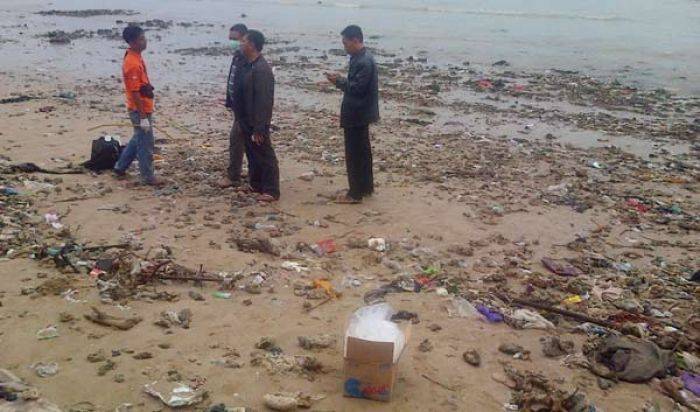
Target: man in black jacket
(236, 145)
(360, 107)
(254, 97)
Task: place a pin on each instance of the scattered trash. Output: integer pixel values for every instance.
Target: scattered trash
(637, 205)
(293, 267)
(527, 319)
(691, 382)
(222, 295)
(175, 395)
(462, 308)
(50, 332)
(53, 220)
(324, 247)
(630, 359)
(45, 370)
(377, 244)
(561, 267)
(491, 315)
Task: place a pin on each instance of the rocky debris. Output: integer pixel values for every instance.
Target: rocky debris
(289, 401)
(532, 391)
(425, 346)
(96, 357)
(171, 318)
(553, 347)
(472, 357)
(277, 363)
(258, 244)
(269, 345)
(434, 327)
(205, 51)
(143, 356)
(104, 319)
(514, 350)
(405, 315)
(196, 296)
(317, 342)
(106, 367)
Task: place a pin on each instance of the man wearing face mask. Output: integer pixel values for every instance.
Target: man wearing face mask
(236, 144)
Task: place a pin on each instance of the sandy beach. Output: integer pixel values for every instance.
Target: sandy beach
(482, 171)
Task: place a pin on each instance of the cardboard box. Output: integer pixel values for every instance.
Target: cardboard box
(370, 370)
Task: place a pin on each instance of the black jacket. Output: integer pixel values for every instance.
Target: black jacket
(237, 61)
(255, 97)
(360, 105)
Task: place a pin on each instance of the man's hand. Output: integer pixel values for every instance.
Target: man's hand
(145, 125)
(332, 77)
(258, 138)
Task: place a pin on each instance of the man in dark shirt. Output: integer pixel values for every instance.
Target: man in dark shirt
(359, 108)
(236, 145)
(254, 98)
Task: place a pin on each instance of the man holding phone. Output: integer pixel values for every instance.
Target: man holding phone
(359, 108)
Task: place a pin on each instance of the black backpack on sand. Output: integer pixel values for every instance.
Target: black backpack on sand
(104, 155)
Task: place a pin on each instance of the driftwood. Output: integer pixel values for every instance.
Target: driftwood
(105, 319)
(548, 308)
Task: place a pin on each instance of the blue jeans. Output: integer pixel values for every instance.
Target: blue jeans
(139, 147)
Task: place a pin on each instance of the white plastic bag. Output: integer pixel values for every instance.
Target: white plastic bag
(373, 323)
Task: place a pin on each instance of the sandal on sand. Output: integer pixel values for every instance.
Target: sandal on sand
(266, 198)
(346, 200)
(243, 188)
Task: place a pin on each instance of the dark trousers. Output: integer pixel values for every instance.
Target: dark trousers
(236, 148)
(358, 159)
(263, 170)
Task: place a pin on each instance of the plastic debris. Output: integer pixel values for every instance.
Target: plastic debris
(50, 332)
(491, 315)
(45, 370)
(527, 319)
(377, 244)
(175, 395)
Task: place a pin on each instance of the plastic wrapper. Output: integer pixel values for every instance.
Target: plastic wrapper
(372, 323)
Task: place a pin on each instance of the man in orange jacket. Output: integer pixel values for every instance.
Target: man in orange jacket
(139, 103)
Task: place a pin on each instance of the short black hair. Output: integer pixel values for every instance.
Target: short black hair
(256, 38)
(353, 32)
(239, 28)
(131, 33)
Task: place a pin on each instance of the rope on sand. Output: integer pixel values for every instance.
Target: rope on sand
(102, 126)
